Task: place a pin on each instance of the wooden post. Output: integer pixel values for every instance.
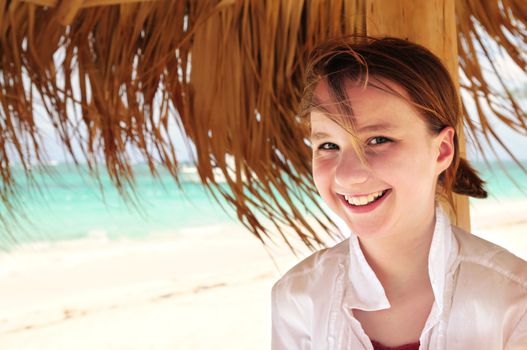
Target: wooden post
(431, 23)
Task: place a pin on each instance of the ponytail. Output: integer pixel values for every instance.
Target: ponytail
(467, 181)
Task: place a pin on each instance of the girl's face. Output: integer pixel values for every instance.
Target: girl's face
(395, 191)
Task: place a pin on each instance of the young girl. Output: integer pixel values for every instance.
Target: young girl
(382, 116)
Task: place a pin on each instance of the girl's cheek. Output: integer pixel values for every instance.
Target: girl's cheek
(320, 174)
(394, 154)
(322, 171)
(322, 163)
(384, 160)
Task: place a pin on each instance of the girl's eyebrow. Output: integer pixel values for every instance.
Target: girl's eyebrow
(377, 127)
(373, 127)
(319, 135)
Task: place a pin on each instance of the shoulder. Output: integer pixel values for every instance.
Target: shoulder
(496, 262)
(305, 275)
(490, 281)
(301, 299)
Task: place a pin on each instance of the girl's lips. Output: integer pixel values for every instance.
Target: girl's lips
(368, 207)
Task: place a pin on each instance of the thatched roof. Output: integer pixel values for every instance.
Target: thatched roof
(230, 73)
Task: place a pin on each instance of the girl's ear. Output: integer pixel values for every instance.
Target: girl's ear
(445, 147)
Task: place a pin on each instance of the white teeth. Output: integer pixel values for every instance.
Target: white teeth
(363, 200)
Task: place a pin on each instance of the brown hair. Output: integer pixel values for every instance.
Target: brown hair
(426, 80)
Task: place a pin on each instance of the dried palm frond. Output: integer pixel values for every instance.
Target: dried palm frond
(115, 75)
(490, 32)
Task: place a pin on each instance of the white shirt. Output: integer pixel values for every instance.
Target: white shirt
(480, 292)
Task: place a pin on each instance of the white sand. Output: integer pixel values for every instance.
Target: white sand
(503, 222)
(207, 289)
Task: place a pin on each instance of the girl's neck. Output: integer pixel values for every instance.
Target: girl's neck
(400, 260)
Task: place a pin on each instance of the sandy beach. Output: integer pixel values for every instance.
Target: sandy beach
(206, 288)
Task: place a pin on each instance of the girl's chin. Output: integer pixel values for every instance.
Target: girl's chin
(368, 234)
(368, 230)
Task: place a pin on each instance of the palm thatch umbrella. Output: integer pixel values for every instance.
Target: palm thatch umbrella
(113, 75)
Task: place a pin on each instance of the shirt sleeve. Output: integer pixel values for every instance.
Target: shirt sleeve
(289, 325)
(518, 339)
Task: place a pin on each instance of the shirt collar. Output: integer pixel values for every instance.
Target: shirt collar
(364, 290)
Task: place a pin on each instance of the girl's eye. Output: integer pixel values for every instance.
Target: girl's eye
(378, 140)
(328, 146)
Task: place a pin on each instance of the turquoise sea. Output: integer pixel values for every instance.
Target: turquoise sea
(71, 206)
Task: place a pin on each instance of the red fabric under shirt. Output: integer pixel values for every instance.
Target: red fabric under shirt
(379, 346)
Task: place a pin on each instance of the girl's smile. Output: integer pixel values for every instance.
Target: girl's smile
(365, 203)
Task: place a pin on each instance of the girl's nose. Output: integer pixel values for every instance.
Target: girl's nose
(351, 171)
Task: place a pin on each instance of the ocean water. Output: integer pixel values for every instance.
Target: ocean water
(504, 180)
(71, 206)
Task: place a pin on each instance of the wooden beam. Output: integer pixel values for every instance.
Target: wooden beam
(67, 10)
(431, 23)
(85, 3)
